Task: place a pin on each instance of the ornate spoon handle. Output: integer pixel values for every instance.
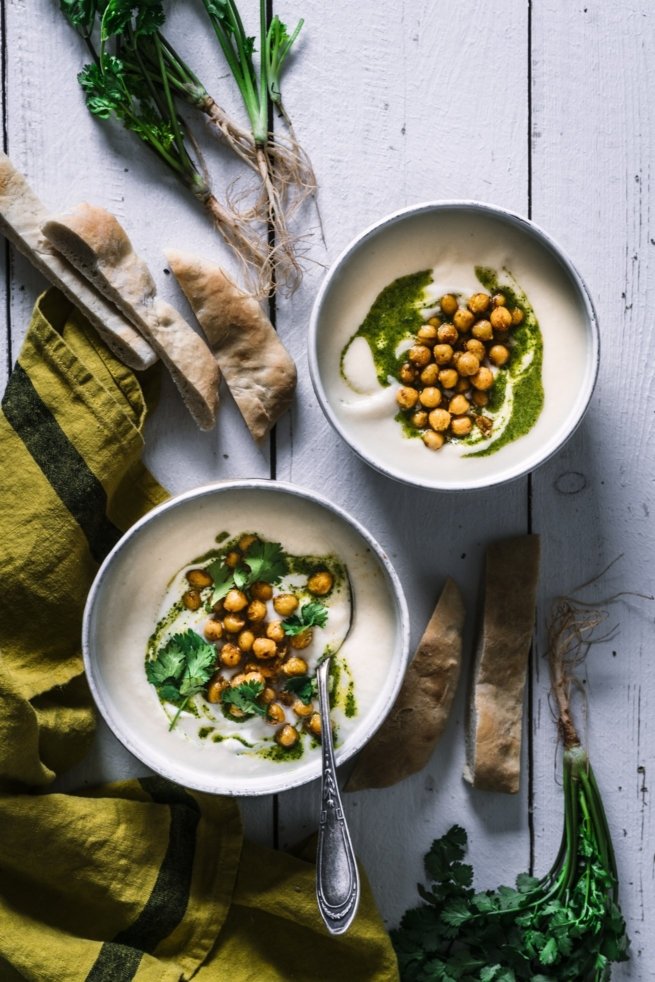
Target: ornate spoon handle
(337, 878)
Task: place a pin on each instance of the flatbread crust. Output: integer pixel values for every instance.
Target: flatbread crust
(94, 242)
(21, 216)
(258, 370)
(404, 743)
(501, 667)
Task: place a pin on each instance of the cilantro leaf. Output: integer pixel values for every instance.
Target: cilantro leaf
(263, 562)
(244, 697)
(223, 578)
(303, 686)
(312, 614)
(182, 668)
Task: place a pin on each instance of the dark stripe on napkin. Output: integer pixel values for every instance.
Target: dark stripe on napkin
(168, 901)
(64, 467)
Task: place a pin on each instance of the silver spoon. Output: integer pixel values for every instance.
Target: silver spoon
(337, 877)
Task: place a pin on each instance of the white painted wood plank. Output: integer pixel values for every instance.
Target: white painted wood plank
(404, 107)
(593, 135)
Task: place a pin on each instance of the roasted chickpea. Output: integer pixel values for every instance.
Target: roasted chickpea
(499, 300)
(236, 712)
(229, 655)
(480, 398)
(430, 397)
(443, 353)
(302, 640)
(267, 669)
(408, 373)
(264, 648)
(459, 405)
(246, 541)
(275, 713)
(501, 319)
(461, 426)
(233, 623)
(406, 397)
(302, 709)
(419, 419)
(432, 440)
(198, 578)
(213, 629)
(484, 423)
(463, 385)
(478, 303)
(419, 355)
(476, 348)
(439, 420)
(517, 315)
(246, 640)
(235, 601)
(427, 334)
(498, 354)
(216, 687)
(483, 331)
(447, 333)
(448, 304)
(294, 666)
(483, 379)
(434, 321)
(275, 631)
(191, 599)
(314, 724)
(320, 583)
(261, 591)
(463, 320)
(256, 611)
(468, 364)
(430, 374)
(448, 378)
(233, 559)
(285, 604)
(267, 696)
(287, 736)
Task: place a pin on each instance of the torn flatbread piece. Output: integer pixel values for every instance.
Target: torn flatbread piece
(94, 242)
(404, 743)
(21, 217)
(258, 370)
(501, 665)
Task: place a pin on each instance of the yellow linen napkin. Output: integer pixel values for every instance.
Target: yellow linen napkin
(140, 879)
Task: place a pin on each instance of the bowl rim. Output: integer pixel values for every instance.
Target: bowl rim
(288, 779)
(535, 231)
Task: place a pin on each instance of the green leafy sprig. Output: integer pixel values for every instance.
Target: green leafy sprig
(263, 562)
(566, 925)
(181, 670)
(312, 614)
(244, 696)
(305, 687)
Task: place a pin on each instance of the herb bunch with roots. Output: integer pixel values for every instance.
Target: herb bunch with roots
(564, 925)
(137, 77)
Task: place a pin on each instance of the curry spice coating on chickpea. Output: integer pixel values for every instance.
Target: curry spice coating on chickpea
(320, 583)
(453, 362)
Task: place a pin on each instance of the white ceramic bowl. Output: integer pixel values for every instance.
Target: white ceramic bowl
(125, 603)
(453, 237)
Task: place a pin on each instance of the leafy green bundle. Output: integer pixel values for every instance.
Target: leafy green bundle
(566, 925)
(137, 76)
(263, 562)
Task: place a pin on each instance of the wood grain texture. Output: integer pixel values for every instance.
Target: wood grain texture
(536, 105)
(593, 131)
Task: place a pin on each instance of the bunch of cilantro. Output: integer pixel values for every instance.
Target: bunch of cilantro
(566, 925)
(182, 669)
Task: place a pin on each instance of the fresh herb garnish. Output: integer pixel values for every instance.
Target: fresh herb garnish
(181, 669)
(312, 614)
(244, 696)
(264, 562)
(303, 686)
